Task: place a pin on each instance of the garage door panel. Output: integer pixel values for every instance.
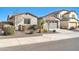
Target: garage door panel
(52, 25)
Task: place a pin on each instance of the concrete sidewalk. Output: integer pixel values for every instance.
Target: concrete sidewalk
(64, 34)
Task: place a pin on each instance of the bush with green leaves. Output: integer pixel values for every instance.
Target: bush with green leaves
(33, 27)
(45, 30)
(40, 24)
(9, 30)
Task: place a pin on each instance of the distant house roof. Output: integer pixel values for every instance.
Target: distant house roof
(54, 14)
(65, 18)
(12, 16)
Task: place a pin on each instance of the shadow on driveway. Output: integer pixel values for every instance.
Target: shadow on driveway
(60, 45)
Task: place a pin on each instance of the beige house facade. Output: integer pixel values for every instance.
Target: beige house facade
(64, 19)
(23, 19)
(68, 24)
(51, 22)
(69, 20)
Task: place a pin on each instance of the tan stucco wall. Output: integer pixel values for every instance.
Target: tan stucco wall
(73, 20)
(61, 14)
(70, 15)
(64, 24)
(73, 13)
(72, 23)
(50, 17)
(20, 20)
(69, 24)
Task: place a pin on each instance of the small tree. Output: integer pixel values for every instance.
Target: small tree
(40, 24)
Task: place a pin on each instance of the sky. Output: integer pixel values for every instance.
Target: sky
(38, 11)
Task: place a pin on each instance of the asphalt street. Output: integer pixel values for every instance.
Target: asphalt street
(59, 45)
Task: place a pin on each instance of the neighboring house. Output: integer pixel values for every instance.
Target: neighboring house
(61, 19)
(51, 22)
(24, 19)
(69, 20)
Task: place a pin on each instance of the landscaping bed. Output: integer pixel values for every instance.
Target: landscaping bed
(32, 31)
(19, 34)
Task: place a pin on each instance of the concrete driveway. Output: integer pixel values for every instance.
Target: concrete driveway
(62, 36)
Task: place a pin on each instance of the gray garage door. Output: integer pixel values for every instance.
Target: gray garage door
(51, 26)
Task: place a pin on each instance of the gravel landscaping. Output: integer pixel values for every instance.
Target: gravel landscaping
(20, 34)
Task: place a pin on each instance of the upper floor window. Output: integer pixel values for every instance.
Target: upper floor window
(73, 16)
(26, 21)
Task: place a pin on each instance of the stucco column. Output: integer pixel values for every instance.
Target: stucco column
(15, 23)
(58, 24)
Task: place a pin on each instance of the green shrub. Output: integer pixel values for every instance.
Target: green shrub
(40, 24)
(33, 27)
(44, 30)
(9, 30)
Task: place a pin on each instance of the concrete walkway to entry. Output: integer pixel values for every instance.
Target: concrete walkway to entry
(63, 34)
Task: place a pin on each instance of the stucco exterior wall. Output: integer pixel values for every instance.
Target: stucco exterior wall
(19, 20)
(61, 14)
(51, 25)
(64, 24)
(73, 13)
(72, 23)
(68, 24)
